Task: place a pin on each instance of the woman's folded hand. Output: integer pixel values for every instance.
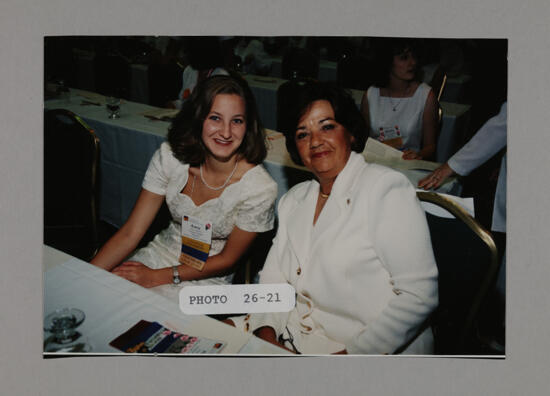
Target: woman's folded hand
(138, 273)
(436, 178)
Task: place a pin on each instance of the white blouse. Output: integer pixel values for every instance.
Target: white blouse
(401, 114)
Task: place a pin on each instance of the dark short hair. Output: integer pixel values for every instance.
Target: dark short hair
(346, 113)
(185, 133)
(385, 49)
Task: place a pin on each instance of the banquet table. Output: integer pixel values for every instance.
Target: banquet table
(328, 70)
(453, 124)
(128, 143)
(112, 305)
(85, 75)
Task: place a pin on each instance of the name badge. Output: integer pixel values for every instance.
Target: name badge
(391, 136)
(196, 238)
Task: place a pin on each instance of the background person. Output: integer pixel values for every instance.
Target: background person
(399, 110)
(255, 59)
(205, 60)
(488, 141)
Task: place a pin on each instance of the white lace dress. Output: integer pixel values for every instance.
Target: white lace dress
(247, 204)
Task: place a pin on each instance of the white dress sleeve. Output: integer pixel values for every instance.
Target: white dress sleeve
(397, 226)
(159, 171)
(257, 211)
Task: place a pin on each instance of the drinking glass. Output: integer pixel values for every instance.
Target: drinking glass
(113, 106)
(62, 324)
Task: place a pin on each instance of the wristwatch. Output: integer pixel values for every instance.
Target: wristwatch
(175, 275)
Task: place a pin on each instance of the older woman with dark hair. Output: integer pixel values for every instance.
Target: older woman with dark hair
(209, 169)
(354, 244)
(399, 110)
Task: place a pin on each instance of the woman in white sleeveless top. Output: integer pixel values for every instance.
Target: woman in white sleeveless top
(399, 110)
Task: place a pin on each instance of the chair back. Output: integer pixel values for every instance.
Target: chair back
(467, 261)
(299, 62)
(71, 155)
(438, 82)
(355, 72)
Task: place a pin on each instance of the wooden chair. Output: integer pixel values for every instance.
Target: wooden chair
(467, 261)
(71, 157)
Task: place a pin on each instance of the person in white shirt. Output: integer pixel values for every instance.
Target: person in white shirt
(255, 60)
(489, 140)
(399, 110)
(205, 60)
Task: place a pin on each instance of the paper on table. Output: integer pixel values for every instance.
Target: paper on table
(383, 154)
(213, 329)
(466, 203)
(92, 96)
(161, 114)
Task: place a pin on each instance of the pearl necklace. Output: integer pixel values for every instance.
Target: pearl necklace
(226, 180)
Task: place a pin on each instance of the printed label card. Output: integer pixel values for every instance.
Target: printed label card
(196, 238)
(391, 136)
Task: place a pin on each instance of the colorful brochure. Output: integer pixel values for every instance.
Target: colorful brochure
(152, 337)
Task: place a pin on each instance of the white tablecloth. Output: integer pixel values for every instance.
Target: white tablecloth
(265, 92)
(112, 305)
(328, 70)
(85, 76)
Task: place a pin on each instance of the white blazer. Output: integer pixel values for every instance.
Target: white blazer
(489, 140)
(365, 274)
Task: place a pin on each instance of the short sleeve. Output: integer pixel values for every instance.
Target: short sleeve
(257, 211)
(160, 168)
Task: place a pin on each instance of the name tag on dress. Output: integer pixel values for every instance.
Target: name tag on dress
(391, 136)
(196, 238)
